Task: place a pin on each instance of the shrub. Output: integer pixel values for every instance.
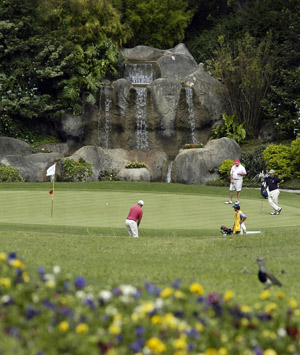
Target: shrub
(9, 174)
(77, 170)
(230, 128)
(108, 175)
(136, 165)
(193, 145)
(254, 164)
(224, 169)
(279, 158)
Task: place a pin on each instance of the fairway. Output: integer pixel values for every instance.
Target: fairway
(109, 209)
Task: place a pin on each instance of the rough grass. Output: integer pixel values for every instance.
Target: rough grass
(180, 235)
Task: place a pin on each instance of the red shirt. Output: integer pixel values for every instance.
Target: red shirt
(135, 213)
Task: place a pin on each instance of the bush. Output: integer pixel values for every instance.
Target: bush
(108, 175)
(9, 174)
(230, 128)
(46, 312)
(254, 163)
(224, 169)
(77, 170)
(136, 165)
(193, 145)
(279, 157)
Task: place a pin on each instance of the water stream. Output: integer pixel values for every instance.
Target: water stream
(191, 118)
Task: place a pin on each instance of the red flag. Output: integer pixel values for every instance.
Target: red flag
(51, 192)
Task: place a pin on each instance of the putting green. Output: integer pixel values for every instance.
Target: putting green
(161, 211)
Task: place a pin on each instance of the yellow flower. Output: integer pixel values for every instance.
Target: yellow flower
(26, 277)
(199, 327)
(82, 328)
(17, 264)
(170, 320)
(180, 344)
(222, 351)
(63, 326)
(166, 292)
(156, 319)
(280, 295)
(245, 322)
(270, 352)
(50, 284)
(179, 295)
(270, 307)
(156, 345)
(5, 282)
(197, 288)
(293, 303)
(265, 294)
(228, 295)
(245, 308)
(3, 256)
(114, 329)
(147, 307)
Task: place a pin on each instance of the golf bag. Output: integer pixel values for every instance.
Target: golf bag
(226, 231)
(262, 192)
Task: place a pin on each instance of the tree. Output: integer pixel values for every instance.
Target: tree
(246, 70)
(159, 24)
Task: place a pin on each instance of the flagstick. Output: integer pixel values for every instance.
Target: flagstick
(52, 196)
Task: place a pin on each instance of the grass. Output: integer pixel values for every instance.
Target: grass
(179, 234)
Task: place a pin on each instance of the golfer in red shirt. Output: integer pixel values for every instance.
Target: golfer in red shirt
(134, 218)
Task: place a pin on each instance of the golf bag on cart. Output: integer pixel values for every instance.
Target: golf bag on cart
(226, 231)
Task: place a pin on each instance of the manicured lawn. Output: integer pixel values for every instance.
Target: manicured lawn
(179, 234)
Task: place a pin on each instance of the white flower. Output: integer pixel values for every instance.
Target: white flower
(49, 277)
(128, 290)
(281, 332)
(105, 295)
(56, 269)
(80, 294)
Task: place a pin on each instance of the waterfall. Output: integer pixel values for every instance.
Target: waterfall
(106, 124)
(191, 118)
(169, 172)
(141, 130)
(139, 73)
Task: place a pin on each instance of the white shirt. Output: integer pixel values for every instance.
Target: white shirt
(237, 169)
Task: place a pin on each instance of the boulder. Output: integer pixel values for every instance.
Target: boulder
(267, 131)
(121, 88)
(13, 146)
(142, 53)
(165, 93)
(32, 167)
(140, 174)
(71, 128)
(176, 66)
(197, 166)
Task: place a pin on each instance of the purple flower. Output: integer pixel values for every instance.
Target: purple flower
(176, 283)
(89, 302)
(41, 270)
(79, 283)
(31, 312)
(140, 331)
(152, 289)
(12, 256)
(258, 351)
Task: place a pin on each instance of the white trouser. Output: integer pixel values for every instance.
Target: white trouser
(273, 199)
(132, 228)
(243, 228)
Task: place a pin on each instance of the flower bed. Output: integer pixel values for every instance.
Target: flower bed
(136, 165)
(49, 313)
(193, 145)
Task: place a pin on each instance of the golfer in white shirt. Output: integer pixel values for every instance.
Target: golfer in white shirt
(237, 173)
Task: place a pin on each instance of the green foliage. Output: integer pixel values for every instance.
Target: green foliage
(108, 175)
(76, 170)
(279, 158)
(136, 165)
(224, 169)
(254, 164)
(193, 145)
(9, 174)
(159, 24)
(53, 56)
(231, 128)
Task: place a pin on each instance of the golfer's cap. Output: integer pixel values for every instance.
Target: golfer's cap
(141, 203)
(272, 171)
(236, 162)
(236, 205)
